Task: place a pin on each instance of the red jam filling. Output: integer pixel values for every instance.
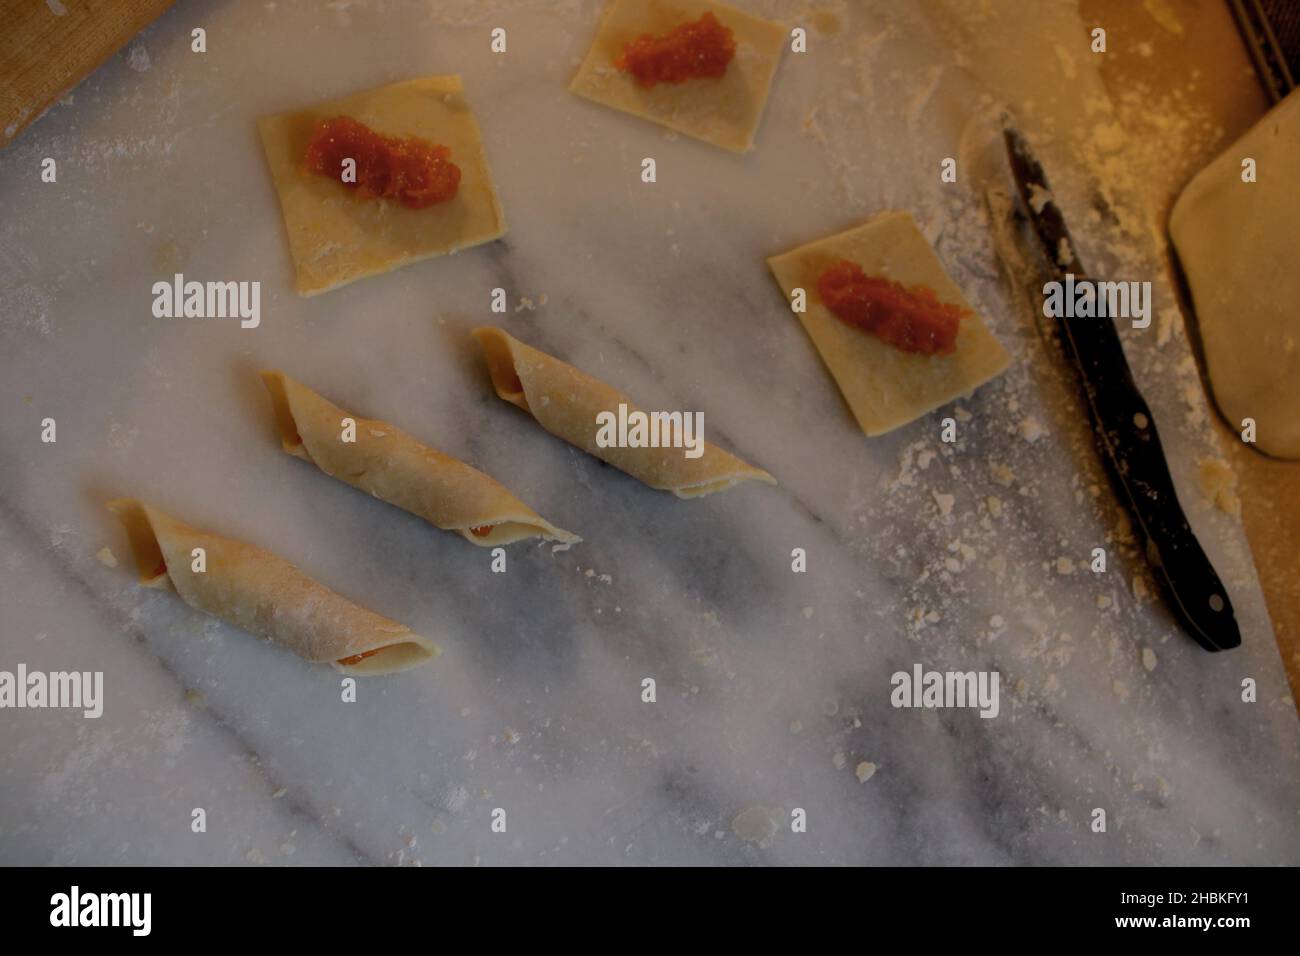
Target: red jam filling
(411, 171)
(910, 319)
(358, 658)
(699, 49)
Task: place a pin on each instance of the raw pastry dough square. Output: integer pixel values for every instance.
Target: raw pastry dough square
(884, 386)
(336, 237)
(724, 111)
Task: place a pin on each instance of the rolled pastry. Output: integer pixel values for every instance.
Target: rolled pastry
(264, 594)
(566, 402)
(391, 465)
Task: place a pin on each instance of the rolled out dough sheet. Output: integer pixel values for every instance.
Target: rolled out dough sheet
(1239, 246)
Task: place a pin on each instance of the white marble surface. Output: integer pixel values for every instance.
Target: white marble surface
(773, 687)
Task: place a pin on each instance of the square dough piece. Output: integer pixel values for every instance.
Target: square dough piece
(336, 237)
(725, 111)
(884, 386)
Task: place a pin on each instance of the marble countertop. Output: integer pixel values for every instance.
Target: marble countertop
(773, 687)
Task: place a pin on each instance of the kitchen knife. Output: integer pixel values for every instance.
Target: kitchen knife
(1125, 431)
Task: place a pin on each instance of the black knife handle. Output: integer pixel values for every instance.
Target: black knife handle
(1130, 445)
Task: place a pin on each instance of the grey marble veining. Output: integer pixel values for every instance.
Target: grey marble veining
(773, 687)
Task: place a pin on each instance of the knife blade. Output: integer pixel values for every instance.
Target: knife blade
(1124, 428)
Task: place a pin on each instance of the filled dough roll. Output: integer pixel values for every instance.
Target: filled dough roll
(566, 402)
(266, 595)
(391, 465)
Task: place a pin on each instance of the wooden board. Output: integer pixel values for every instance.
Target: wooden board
(49, 46)
(1198, 49)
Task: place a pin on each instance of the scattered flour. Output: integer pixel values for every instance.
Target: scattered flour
(754, 825)
(1219, 484)
(1031, 429)
(137, 58)
(1039, 197)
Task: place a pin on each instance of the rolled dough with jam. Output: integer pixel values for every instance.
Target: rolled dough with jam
(389, 464)
(566, 402)
(264, 594)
